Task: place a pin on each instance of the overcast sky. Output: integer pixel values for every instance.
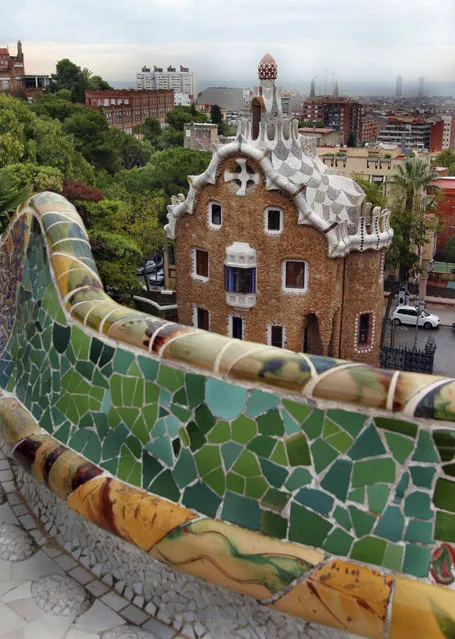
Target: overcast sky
(224, 39)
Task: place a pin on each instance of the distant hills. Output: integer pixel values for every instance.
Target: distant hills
(351, 88)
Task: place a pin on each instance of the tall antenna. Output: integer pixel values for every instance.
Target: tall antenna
(333, 81)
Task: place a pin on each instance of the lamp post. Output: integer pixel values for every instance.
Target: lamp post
(419, 305)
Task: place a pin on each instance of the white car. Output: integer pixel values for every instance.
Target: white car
(408, 315)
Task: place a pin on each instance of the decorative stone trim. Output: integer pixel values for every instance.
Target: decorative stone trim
(269, 333)
(367, 348)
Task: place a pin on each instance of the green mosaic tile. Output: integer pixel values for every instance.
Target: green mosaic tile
(323, 454)
(341, 441)
(363, 522)
(350, 422)
(298, 451)
(378, 496)
(299, 477)
(391, 524)
(181, 413)
(369, 550)
(134, 370)
(220, 433)
(217, 481)
(275, 475)
(151, 468)
(444, 495)
(416, 560)
(170, 378)
(338, 542)
(315, 499)
(162, 449)
(343, 518)
(373, 471)
(256, 487)
(61, 337)
(330, 428)
(180, 397)
(165, 486)
(308, 527)
(230, 451)
(260, 402)
(113, 442)
(202, 499)
(396, 426)
(400, 447)
(312, 426)
(401, 488)
(290, 425)
(241, 510)
(279, 455)
(367, 444)
(422, 476)
(195, 389)
(247, 465)
(275, 499)
(62, 434)
(129, 468)
(337, 479)
(418, 505)
(87, 443)
(270, 423)
(262, 445)
(445, 526)
(165, 397)
(425, 450)
(357, 495)
(235, 483)
(122, 361)
(298, 411)
(149, 367)
(449, 469)
(243, 429)
(223, 399)
(273, 525)
(445, 443)
(207, 459)
(204, 418)
(393, 557)
(420, 532)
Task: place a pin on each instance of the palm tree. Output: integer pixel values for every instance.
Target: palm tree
(409, 207)
(10, 197)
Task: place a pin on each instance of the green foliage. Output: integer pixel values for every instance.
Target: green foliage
(446, 158)
(374, 192)
(448, 252)
(181, 115)
(215, 114)
(319, 124)
(69, 77)
(55, 106)
(39, 178)
(151, 130)
(10, 197)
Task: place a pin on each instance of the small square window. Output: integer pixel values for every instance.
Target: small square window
(202, 263)
(276, 336)
(202, 319)
(273, 219)
(215, 214)
(295, 275)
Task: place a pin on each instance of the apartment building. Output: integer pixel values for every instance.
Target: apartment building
(181, 81)
(342, 114)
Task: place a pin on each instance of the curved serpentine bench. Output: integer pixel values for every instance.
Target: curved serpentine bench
(321, 488)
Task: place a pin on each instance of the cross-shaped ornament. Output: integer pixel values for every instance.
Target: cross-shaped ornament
(243, 176)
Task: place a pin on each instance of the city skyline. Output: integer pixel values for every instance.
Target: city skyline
(412, 39)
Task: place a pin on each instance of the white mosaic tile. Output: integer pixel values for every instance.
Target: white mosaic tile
(60, 595)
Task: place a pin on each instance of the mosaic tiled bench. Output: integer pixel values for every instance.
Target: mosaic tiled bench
(323, 489)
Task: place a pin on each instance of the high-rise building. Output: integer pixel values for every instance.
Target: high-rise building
(181, 81)
(421, 89)
(399, 87)
(341, 114)
(335, 89)
(409, 130)
(312, 91)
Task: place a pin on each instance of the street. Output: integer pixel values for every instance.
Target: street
(444, 362)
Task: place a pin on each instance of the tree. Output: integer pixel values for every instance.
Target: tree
(373, 192)
(133, 152)
(56, 106)
(448, 252)
(446, 158)
(409, 206)
(181, 115)
(10, 197)
(39, 178)
(150, 129)
(68, 76)
(215, 114)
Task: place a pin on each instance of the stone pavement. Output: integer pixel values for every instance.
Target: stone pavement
(46, 594)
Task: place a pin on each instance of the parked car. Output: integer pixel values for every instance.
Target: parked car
(157, 278)
(151, 266)
(408, 315)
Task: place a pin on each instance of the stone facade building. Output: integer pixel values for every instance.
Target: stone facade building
(12, 69)
(126, 108)
(273, 248)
